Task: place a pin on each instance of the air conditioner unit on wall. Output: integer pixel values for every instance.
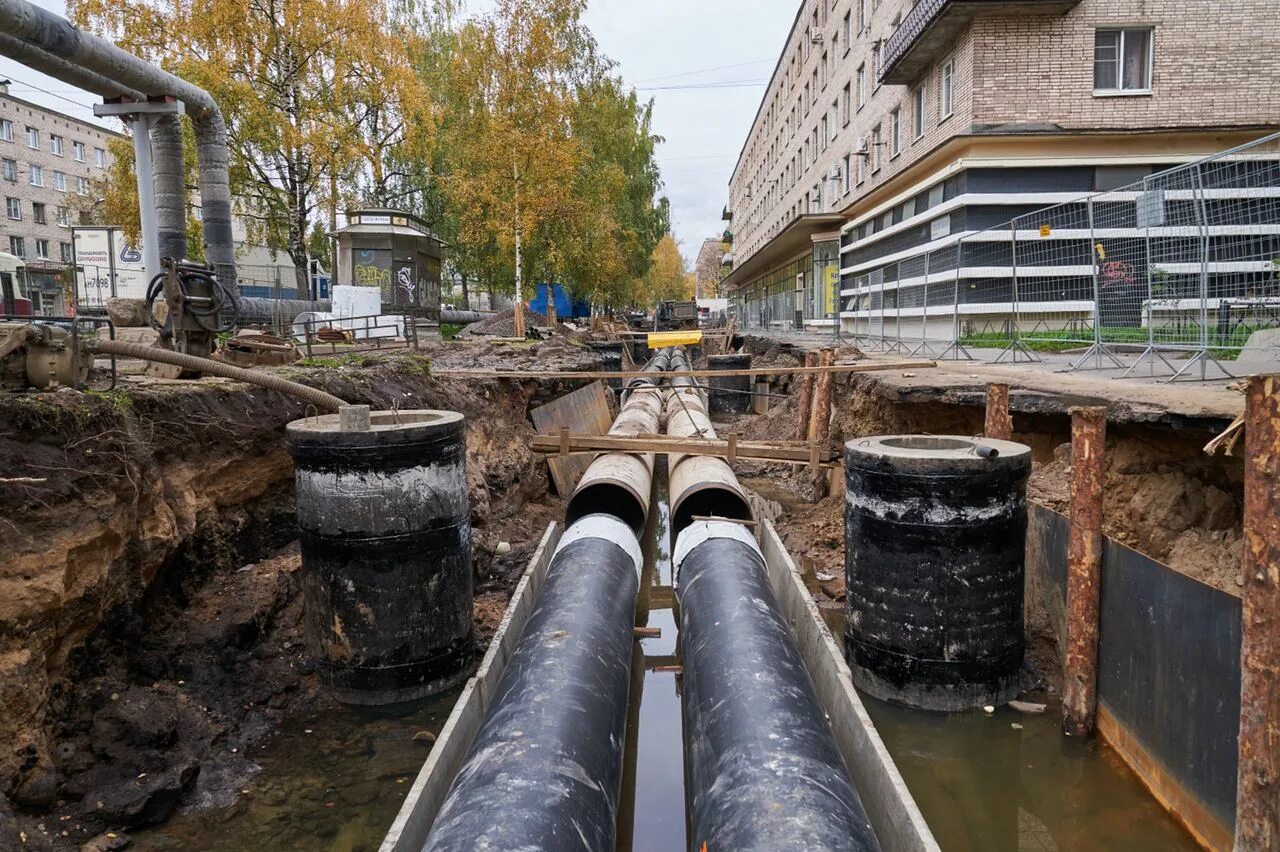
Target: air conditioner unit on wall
(815, 36)
(837, 172)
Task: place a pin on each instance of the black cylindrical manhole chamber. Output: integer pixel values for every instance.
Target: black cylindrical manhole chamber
(730, 394)
(935, 537)
(385, 524)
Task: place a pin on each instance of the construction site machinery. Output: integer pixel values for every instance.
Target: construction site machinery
(675, 316)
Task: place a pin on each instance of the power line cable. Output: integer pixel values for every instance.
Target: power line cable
(726, 84)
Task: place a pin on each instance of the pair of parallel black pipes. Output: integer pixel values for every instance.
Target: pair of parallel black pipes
(762, 768)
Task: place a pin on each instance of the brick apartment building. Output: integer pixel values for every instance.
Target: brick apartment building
(891, 128)
(48, 165)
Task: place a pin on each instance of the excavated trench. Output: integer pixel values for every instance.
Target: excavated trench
(152, 662)
(152, 658)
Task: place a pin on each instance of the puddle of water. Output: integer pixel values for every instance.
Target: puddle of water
(332, 781)
(653, 798)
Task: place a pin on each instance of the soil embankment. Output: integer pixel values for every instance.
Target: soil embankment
(150, 630)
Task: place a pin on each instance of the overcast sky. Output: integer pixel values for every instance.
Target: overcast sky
(704, 63)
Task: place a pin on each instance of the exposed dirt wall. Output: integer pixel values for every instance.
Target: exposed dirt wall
(126, 518)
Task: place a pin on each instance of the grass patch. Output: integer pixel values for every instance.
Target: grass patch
(448, 330)
(1223, 346)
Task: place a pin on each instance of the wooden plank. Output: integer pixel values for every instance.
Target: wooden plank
(898, 823)
(413, 823)
(811, 454)
(585, 411)
(587, 375)
(1084, 569)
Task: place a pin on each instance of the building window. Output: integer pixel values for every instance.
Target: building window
(1122, 61)
(835, 120)
(82, 185)
(35, 174)
(877, 141)
(861, 158)
(862, 16)
(42, 249)
(64, 249)
(947, 90)
(17, 246)
(940, 227)
(895, 131)
(826, 131)
(62, 215)
(6, 130)
(10, 170)
(847, 165)
(917, 111)
(13, 207)
(847, 29)
(60, 181)
(100, 158)
(862, 86)
(33, 138)
(77, 150)
(875, 62)
(37, 213)
(846, 103)
(55, 144)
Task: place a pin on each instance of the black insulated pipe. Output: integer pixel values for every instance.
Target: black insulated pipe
(545, 769)
(762, 766)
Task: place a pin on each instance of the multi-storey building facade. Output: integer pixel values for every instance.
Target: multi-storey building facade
(49, 163)
(891, 129)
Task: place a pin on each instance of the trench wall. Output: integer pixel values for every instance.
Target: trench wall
(1168, 673)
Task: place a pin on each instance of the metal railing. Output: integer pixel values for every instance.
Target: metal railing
(356, 335)
(1170, 275)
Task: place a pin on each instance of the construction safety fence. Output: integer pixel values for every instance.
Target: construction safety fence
(1176, 271)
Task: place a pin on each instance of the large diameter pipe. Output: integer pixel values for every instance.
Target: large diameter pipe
(44, 31)
(700, 486)
(170, 183)
(619, 484)
(545, 769)
(762, 766)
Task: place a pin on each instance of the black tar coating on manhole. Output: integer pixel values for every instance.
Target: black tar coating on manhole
(934, 565)
(762, 767)
(729, 394)
(385, 530)
(545, 769)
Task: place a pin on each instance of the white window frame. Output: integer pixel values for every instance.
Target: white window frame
(77, 151)
(17, 246)
(847, 178)
(895, 132)
(862, 85)
(66, 251)
(55, 144)
(33, 134)
(917, 116)
(62, 216)
(9, 169)
(35, 175)
(1124, 33)
(100, 157)
(10, 206)
(82, 185)
(60, 181)
(6, 130)
(877, 142)
(947, 90)
(42, 249)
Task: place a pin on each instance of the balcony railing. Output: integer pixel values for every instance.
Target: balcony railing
(929, 31)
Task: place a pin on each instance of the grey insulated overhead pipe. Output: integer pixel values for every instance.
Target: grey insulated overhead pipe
(51, 44)
(763, 768)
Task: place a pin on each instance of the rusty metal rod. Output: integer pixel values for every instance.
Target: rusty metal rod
(1258, 781)
(999, 422)
(1084, 570)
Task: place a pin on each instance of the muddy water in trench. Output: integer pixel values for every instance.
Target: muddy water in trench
(330, 782)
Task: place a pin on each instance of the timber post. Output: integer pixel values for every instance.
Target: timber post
(999, 422)
(820, 417)
(806, 396)
(1258, 781)
(1084, 570)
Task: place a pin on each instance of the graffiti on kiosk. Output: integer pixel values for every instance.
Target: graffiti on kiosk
(404, 280)
(368, 275)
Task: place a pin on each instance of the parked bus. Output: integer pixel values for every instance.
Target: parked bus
(14, 286)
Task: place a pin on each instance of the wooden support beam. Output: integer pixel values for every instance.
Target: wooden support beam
(999, 423)
(647, 632)
(808, 453)
(1258, 782)
(1084, 570)
(587, 375)
(806, 396)
(820, 418)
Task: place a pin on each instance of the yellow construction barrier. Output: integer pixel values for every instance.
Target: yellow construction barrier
(662, 339)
